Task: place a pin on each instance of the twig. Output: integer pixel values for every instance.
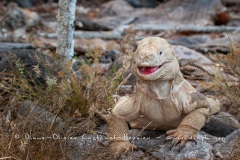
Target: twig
(141, 131)
(10, 157)
(124, 81)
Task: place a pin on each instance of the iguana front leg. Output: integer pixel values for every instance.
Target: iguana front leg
(118, 135)
(197, 115)
(188, 128)
(123, 112)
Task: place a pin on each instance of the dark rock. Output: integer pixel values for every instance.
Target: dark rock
(89, 25)
(78, 62)
(38, 115)
(221, 125)
(15, 17)
(146, 140)
(109, 57)
(141, 3)
(29, 58)
(25, 3)
(19, 18)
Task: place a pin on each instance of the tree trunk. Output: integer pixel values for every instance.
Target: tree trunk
(65, 28)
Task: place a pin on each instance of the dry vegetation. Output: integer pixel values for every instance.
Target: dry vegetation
(62, 98)
(227, 78)
(226, 81)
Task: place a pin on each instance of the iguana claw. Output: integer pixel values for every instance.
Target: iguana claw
(181, 135)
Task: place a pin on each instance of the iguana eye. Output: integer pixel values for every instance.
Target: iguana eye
(160, 53)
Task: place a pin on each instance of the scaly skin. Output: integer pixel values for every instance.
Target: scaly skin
(164, 100)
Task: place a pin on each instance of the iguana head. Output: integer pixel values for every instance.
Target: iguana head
(155, 60)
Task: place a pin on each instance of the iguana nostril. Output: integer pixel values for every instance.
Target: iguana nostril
(160, 53)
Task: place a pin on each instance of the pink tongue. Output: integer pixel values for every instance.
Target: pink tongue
(147, 70)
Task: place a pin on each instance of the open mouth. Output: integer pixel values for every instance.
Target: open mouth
(148, 70)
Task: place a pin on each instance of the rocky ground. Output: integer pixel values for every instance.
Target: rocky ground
(202, 34)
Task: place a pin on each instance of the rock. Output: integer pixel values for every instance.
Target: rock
(15, 17)
(202, 150)
(155, 142)
(50, 25)
(88, 147)
(227, 118)
(212, 140)
(191, 41)
(221, 44)
(82, 10)
(29, 58)
(198, 12)
(101, 68)
(153, 145)
(220, 126)
(228, 147)
(25, 3)
(84, 45)
(184, 53)
(109, 57)
(141, 3)
(19, 33)
(20, 18)
(89, 25)
(115, 13)
(116, 8)
(38, 115)
(146, 139)
(31, 18)
(189, 56)
(9, 46)
(205, 44)
(192, 60)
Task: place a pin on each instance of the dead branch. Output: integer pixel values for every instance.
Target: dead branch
(5, 45)
(118, 32)
(186, 28)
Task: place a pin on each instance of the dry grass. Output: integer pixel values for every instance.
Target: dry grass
(227, 82)
(227, 79)
(62, 94)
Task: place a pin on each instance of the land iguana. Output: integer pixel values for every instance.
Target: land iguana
(164, 100)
